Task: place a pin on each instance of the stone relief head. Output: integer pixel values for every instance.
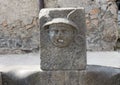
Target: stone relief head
(61, 31)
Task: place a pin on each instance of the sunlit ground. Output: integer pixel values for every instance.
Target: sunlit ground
(32, 61)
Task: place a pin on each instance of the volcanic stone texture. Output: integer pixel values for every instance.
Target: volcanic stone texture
(72, 57)
(19, 31)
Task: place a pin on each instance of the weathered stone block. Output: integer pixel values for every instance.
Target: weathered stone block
(52, 78)
(75, 77)
(62, 39)
(62, 77)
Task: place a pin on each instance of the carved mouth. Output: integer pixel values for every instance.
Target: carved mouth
(60, 40)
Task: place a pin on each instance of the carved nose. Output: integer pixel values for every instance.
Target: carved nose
(59, 33)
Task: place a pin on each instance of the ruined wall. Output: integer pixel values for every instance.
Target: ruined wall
(101, 20)
(19, 30)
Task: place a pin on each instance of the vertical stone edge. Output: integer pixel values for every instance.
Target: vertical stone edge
(0, 78)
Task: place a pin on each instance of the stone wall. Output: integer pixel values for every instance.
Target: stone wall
(19, 29)
(101, 20)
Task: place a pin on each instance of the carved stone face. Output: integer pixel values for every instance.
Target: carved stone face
(61, 35)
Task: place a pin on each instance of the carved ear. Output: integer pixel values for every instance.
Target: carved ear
(78, 40)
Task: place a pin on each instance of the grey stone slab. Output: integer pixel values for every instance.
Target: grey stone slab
(52, 78)
(74, 77)
(27, 77)
(21, 77)
(93, 75)
(66, 51)
(102, 75)
(62, 77)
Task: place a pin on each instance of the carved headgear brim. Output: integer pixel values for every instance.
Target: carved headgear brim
(60, 21)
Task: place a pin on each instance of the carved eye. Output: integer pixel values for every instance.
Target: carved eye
(56, 31)
(64, 31)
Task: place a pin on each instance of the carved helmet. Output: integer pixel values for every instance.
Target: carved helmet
(60, 21)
